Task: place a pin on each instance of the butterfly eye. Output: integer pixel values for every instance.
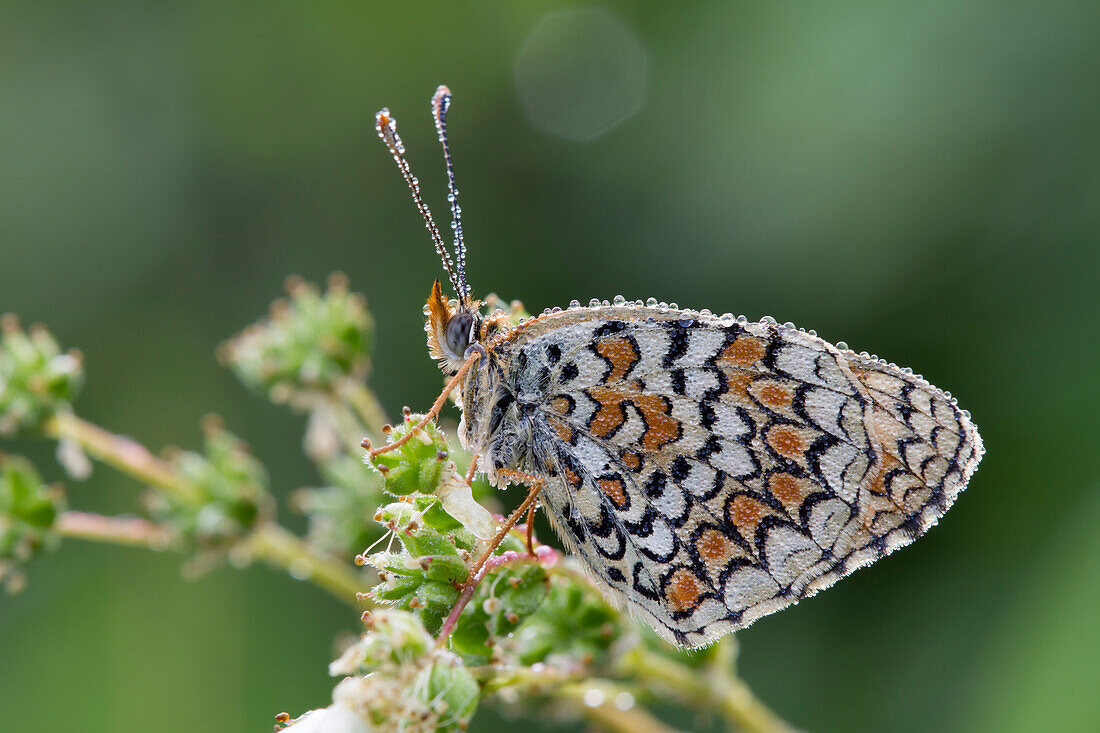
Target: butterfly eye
(460, 333)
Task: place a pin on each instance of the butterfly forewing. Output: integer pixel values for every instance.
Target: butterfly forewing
(710, 471)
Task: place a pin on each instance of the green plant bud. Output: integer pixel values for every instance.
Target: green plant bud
(437, 518)
(503, 601)
(445, 568)
(340, 515)
(417, 465)
(449, 693)
(396, 588)
(426, 541)
(393, 637)
(28, 510)
(310, 343)
(572, 622)
(36, 378)
(232, 485)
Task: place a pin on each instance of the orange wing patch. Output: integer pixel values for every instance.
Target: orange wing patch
(789, 490)
(631, 460)
(716, 550)
(774, 394)
(610, 416)
(615, 490)
(789, 442)
(621, 354)
(745, 351)
(661, 428)
(745, 513)
(683, 591)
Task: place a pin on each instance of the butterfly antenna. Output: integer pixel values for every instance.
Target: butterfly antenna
(386, 126)
(441, 104)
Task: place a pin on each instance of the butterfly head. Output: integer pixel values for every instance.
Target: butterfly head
(452, 329)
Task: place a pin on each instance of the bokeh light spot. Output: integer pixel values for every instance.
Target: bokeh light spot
(580, 73)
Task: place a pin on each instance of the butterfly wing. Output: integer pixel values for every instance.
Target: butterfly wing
(710, 472)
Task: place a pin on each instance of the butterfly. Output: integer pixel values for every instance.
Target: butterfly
(707, 470)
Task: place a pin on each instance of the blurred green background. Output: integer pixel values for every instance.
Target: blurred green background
(919, 180)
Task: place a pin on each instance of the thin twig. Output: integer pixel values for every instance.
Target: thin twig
(598, 702)
(117, 530)
(270, 541)
(365, 403)
(123, 453)
(278, 546)
(725, 694)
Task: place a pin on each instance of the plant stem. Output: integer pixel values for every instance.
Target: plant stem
(123, 453)
(276, 545)
(719, 691)
(606, 713)
(596, 700)
(366, 405)
(270, 541)
(118, 530)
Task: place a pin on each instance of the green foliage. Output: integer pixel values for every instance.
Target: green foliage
(401, 682)
(28, 511)
(36, 378)
(231, 485)
(417, 467)
(340, 514)
(573, 626)
(310, 343)
(466, 618)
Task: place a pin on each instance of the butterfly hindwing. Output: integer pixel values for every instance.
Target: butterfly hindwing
(710, 471)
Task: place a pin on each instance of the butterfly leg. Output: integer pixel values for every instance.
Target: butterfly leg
(436, 407)
(529, 530)
(472, 471)
(476, 572)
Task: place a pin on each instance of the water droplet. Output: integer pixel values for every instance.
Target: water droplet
(594, 303)
(673, 306)
(812, 332)
(574, 304)
(555, 309)
(605, 304)
(651, 302)
(619, 300)
(300, 569)
(726, 319)
(842, 345)
(790, 325)
(685, 322)
(624, 700)
(594, 697)
(769, 320)
(705, 312)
